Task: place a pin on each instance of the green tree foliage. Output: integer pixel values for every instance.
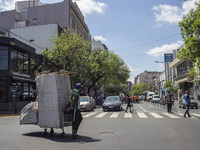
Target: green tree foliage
(138, 89)
(169, 86)
(115, 89)
(190, 32)
(72, 53)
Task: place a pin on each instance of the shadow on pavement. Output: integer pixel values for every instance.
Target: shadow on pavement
(67, 137)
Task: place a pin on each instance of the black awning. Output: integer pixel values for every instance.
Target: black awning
(23, 79)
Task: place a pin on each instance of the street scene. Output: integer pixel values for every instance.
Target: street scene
(148, 127)
(99, 74)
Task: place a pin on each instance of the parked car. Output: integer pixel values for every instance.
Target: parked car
(112, 103)
(87, 103)
(193, 104)
(155, 98)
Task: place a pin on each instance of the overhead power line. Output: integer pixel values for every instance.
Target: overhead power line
(147, 43)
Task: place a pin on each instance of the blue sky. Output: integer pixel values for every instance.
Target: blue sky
(139, 31)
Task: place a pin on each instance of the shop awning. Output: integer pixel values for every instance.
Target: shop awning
(23, 79)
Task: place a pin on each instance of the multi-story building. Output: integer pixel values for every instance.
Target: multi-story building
(98, 44)
(150, 77)
(30, 19)
(180, 77)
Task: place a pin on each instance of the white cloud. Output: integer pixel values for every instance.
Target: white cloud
(8, 4)
(161, 66)
(167, 48)
(100, 38)
(90, 6)
(133, 69)
(172, 14)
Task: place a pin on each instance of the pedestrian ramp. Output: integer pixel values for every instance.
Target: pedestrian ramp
(141, 115)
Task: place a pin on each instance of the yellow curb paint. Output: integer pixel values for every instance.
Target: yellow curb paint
(6, 115)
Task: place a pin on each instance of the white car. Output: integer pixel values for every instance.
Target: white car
(155, 98)
(149, 95)
(87, 103)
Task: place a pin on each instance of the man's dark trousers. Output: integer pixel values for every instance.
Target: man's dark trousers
(77, 118)
(169, 107)
(187, 110)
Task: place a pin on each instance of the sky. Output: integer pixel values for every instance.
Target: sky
(138, 31)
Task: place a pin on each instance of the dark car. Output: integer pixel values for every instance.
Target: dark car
(112, 103)
(193, 104)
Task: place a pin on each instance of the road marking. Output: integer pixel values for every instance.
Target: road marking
(142, 108)
(101, 115)
(128, 115)
(88, 115)
(188, 117)
(196, 114)
(114, 115)
(142, 115)
(170, 115)
(83, 113)
(156, 115)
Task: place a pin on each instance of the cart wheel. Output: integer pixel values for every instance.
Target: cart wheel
(52, 131)
(62, 134)
(45, 131)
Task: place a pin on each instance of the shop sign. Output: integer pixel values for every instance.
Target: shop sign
(21, 74)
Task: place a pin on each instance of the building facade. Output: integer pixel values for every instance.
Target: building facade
(17, 79)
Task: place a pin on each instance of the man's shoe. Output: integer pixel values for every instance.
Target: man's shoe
(125, 111)
(184, 116)
(131, 112)
(189, 116)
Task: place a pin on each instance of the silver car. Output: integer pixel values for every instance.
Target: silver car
(87, 103)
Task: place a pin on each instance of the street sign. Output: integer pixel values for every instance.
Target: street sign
(168, 57)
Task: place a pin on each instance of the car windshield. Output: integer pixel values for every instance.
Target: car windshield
(156, 96)
(150, 94)
(112, 99)
(84, 99)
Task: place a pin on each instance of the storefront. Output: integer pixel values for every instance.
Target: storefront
(17, 78)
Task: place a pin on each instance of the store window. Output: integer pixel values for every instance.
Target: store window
(3, 89)
(19, 62)
(3, 58)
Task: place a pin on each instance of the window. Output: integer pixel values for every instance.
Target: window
(19, 62)
(3, 58)
(3, 89)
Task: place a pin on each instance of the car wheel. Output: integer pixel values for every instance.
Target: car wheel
(196, 107)
(103, 109)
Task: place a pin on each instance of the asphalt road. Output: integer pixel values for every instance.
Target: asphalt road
(149, 127)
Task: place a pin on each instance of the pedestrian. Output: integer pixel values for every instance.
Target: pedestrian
(187, 103)
(75, 106)
(129, 103)
(168, 100)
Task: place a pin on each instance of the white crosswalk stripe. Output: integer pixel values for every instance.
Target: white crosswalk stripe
(114, 115)
(171, 115)
(88, 115)
(101, 115)
(198, 115)
(128, 115)
(155, 115)
(142, 115)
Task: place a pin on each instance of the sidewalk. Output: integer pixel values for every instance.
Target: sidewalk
(9, 113)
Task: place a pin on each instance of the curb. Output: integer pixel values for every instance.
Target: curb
(6, 115)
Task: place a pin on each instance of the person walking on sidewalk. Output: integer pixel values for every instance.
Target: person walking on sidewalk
(168, 100)
(129, 103)
(75, 106)
(187, 103)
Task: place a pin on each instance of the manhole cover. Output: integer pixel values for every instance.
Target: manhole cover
(107, 133)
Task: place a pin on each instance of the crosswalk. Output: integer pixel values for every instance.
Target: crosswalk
(142, 115)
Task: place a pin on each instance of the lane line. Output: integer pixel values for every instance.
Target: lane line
(114, 115)
(101, 115)
(128, 115)
(142, 108)
(88, 115)
(155, 115)
(196, 114)
(142, 115)
(171, 115)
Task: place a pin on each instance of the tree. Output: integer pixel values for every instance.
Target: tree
(138, 89)
(169, 86)
(190, 32)
(72, 53)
